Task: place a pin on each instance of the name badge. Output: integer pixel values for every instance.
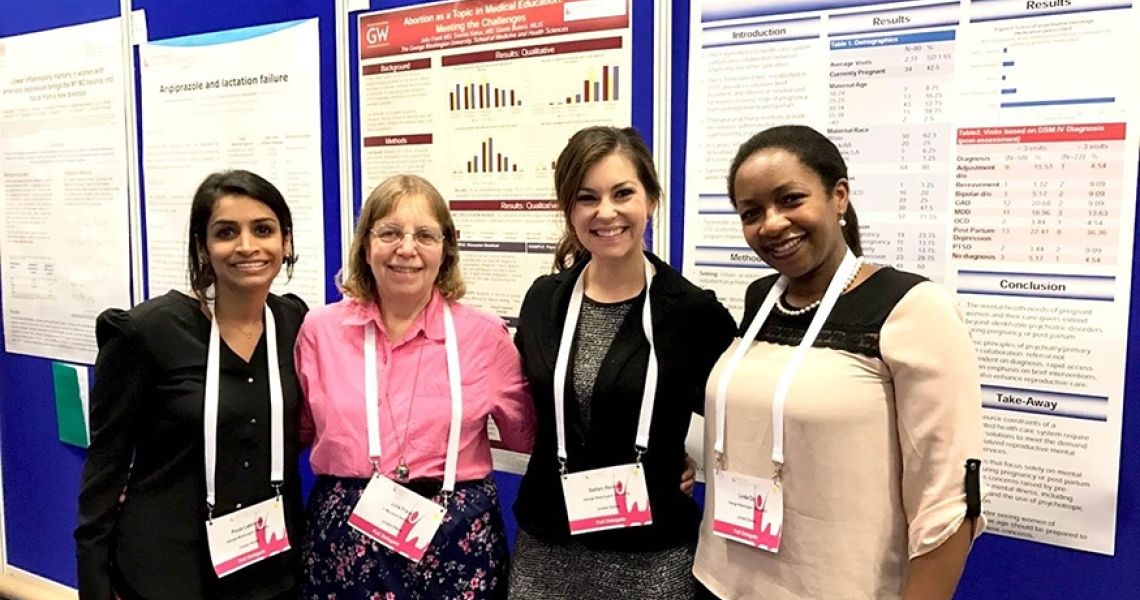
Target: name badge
(247, 536)
(609, 498)
(400, 519)
(749, 510)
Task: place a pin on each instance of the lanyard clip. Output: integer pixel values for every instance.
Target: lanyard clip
(375, 467)
(719, 461)
(562, 466)
(210, 513)
(778, 474)
(277, 488)
(640, 451)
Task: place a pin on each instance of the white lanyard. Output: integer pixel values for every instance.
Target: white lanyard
(779, 397)
(649, 393)
(372, 398)
(276, 408)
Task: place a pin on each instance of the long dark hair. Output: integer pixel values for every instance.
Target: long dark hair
(585, 149)
(816, 152)
(215, 187)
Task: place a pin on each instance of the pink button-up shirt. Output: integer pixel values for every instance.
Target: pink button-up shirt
(415, 400)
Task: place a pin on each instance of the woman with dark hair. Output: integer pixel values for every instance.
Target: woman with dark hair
(194, 415)
(400, 378)
(616, 346)
(842, 431)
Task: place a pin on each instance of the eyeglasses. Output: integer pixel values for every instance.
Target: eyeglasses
(423, 237)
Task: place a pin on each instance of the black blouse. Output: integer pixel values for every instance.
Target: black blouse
(691, 330)
(146, 438)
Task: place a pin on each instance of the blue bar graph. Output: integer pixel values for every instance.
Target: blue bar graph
(1059, 102)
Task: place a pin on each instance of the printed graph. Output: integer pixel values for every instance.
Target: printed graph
(481, 96)
(490, 161)
(598, 89)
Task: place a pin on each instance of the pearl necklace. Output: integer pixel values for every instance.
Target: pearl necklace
(795, 312)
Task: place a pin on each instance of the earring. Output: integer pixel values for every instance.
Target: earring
(842, 222)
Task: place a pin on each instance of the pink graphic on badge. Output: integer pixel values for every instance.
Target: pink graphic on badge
(766, 522)
(271, 541)
(413, 538)
(627, 506)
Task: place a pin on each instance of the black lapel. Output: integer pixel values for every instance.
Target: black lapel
(551, 330)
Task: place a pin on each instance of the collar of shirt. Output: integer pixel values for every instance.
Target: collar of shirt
(429, 323)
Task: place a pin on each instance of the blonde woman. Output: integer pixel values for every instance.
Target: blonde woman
(400, 378)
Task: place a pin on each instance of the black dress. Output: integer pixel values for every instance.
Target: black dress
(146, 439)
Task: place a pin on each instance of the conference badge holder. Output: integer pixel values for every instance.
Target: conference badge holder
(749, 510)
(396, 517)
(247, 536)
(608, 498)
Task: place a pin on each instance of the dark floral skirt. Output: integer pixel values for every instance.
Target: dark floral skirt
(467, 559)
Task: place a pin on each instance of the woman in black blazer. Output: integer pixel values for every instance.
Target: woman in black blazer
(607, 188)
(143, 506)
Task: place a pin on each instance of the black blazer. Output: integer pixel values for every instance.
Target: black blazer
(691, 330)
(146, 436)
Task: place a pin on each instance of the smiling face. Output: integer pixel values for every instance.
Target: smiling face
(788, 217)
(611, 209)
(406, 269)
(244, 244)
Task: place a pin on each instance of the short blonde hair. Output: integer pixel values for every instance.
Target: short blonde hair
(359, 282)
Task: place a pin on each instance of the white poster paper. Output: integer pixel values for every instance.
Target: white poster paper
(63, 192)
(480, 97)
(239, 99)
(987, 151)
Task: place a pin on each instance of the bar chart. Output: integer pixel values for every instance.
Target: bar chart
(487, 160)
(1023, 84)
(1029, 75)
(481, 96)
(598, 89)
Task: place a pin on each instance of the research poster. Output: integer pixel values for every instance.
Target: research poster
(240, 99)
(992, 147)
(480, 97)
(63, 191)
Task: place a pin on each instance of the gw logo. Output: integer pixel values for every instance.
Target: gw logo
(377, 34)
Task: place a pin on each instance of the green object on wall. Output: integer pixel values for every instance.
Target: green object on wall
(71, 403)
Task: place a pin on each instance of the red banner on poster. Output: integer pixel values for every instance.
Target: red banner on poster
(473, 22)
(1079, 132)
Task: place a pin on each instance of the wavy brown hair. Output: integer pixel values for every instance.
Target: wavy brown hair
(585, 149)
(359, 282)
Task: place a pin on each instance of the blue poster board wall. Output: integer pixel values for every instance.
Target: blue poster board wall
(998, 567)
(41, 475)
